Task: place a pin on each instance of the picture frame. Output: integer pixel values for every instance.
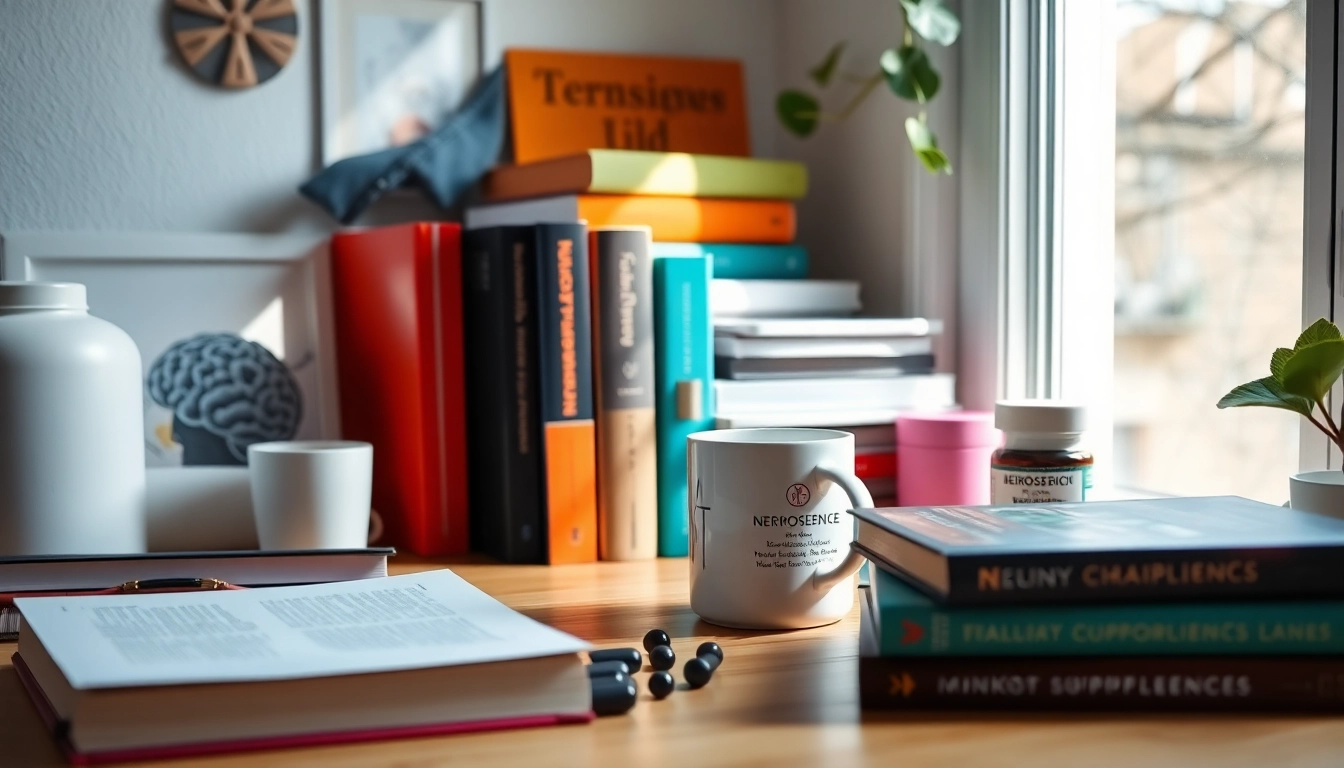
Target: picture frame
(392, 70)
(162, 289)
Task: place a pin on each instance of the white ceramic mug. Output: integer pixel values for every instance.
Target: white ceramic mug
(770, 529)
(311, 494)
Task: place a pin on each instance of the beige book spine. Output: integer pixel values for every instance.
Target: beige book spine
(627, 485)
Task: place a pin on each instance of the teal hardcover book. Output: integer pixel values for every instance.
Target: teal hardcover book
(743, 261)
(910, 624)
(683, 384)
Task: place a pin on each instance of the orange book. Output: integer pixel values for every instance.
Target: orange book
(673, 219)
(569, 442)
(563, 102)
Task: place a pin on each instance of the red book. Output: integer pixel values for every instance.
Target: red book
(399, 345)
(60, 729)
(870, 466)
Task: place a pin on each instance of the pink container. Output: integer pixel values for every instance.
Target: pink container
(943, 458)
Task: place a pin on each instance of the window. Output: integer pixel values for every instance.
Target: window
(1209, 158)
(1133, 219)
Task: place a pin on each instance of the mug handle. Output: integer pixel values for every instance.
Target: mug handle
(822, 581)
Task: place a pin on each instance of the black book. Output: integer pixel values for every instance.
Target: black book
(1220, 547)
(503, 428)
(1143, 683)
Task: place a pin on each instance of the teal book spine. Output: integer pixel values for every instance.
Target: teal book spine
(743, 262)
(913, 625)
(683, 384)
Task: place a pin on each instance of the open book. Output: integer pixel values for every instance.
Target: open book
(136, 677)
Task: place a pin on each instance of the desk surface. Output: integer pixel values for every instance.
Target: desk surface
(781, 698)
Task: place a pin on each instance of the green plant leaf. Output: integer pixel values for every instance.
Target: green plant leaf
(932, 20)
(1312, 370)
(909, 73)
(1277, 361)
(925, 145)
(798, 111)
(1321, 330)
(1268, 393)
(822, 73)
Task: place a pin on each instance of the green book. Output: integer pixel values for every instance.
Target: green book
(630, 172)
(910, 624)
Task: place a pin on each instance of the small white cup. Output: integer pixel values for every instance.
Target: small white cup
(311, 494)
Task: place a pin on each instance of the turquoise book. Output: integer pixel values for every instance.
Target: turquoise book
(683, 384)
(743, 261)
(910, 624)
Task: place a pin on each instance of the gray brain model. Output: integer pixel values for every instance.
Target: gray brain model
(225, 393)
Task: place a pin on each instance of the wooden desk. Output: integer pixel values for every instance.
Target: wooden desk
(780, 699)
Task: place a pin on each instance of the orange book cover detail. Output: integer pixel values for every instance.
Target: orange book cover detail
(689, 219)
(561, 103)
(571, 491)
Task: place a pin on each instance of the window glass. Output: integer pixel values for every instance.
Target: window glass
(1210, 107)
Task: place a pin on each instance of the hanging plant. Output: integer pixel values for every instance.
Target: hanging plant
(906, 70)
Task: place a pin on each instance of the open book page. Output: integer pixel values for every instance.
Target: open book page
(374, 625)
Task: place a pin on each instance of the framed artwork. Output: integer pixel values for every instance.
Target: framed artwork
(392, 70)
(234, 331)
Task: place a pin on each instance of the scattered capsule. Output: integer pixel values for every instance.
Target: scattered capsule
(661, 684)
(631, 656)
(699, 670)
(613, 695)
(654, 638)
(662, 657)
(709, 646)
(608, 668)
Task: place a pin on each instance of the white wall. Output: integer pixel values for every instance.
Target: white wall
(872, 212)
(102, 128)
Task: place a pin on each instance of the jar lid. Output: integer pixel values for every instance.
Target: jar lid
(947, 429)
(24, 295)
(1040, 416)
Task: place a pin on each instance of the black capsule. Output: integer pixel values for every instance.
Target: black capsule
(699, 670)
(631, 656)
(661, 684)
(608, 668)
(654, 638)
(613, 695)
(662, 657)
(709, 646)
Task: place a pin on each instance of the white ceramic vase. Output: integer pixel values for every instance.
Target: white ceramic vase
(1320, 492)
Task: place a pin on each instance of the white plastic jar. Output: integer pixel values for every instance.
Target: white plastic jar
(72, 456)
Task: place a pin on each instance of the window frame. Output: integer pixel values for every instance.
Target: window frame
(1321, 226)
(1036, 277)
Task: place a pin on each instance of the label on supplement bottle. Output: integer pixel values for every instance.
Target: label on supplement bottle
(1025, 485)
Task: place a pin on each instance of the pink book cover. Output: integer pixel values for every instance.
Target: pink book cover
(58, 728)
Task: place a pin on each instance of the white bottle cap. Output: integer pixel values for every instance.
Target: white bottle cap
(1040, 416)
(24, 296)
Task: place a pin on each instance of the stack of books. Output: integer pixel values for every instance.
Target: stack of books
(680, 177)
(852, 373)
(1181, 604)
(659, 214)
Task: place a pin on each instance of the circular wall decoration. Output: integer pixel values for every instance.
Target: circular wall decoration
(235, 43)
